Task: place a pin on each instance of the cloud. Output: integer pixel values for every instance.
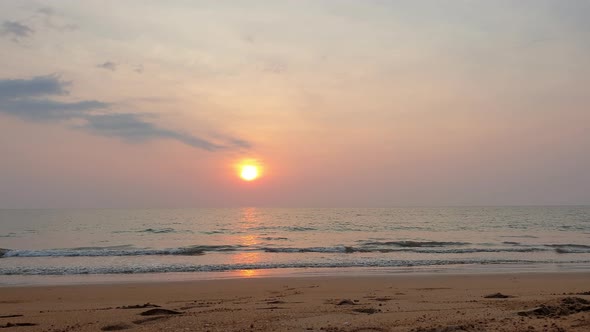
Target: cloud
(240, 142)
(113, 66)
(30, 100)
(45, 16)
(273, 65)
(48, 110)
(138, 69)
(34, 87)
(15, 29)
(248, 39)
(53, 20)
(109, 65)
(46, 11)
(132, 127)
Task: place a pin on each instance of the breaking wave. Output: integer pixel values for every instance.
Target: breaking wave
(367, 247)
(167, 268)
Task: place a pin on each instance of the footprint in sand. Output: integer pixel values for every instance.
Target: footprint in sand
(116, 327)
(369, 329)
(498, 296)
(139, 306)
(156, 312)
(148, 320)
(7, 325)
(369, 311)
(10, 316)
(383, 299)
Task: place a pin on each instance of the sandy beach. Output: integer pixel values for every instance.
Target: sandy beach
(498, 302)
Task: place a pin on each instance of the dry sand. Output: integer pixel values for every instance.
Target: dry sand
(534, 302)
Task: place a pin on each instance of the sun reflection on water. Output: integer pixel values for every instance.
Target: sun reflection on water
(249, 217)
(247, 273)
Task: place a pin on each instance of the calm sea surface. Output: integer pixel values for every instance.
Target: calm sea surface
(115, 242)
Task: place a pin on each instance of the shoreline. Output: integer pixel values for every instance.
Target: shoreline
(400, 302)
(448, 270)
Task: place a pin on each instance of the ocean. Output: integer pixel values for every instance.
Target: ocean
(246, 242)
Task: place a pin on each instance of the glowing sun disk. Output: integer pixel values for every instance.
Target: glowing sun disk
(249, 172)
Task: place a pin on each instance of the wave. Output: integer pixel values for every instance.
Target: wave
(265, 228)
(201, 250)
(426, 247)
(164, 230)
(299, 229)
(158, 230)
(213, 232)
(168, 268)
(347, 249)
(113, 251)
(311, 249)
(570, 248)
(415, 244)
(571, 245)
(8, 235)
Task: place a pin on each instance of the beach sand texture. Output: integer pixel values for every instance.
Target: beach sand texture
(527, 302)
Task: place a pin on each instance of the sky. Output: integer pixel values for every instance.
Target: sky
(116, 104)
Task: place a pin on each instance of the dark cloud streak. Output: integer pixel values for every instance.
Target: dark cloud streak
(29, 99)
(48, 110)
(34, 87)
(240, 143)
(109, 65)
(132, 127)
(16, 30)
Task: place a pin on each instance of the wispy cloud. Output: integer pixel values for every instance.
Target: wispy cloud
(46, 11)
(274, 67)
(132, 127)
(30, 100)
(16, 30)
(109, 65)
(240, 142)
(53, 20)
(44, 17)
(272, 64)
(138, 69)
(48, 110)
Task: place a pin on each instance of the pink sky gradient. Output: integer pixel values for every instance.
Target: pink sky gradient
(345, 103)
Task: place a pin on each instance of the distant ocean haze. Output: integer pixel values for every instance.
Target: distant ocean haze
(74, 242)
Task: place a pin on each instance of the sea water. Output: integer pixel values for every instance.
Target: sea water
(105, 242)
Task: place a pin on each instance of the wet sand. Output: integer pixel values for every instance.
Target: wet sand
(495, 302)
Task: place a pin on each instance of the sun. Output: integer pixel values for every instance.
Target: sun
(249, 172)
(249, 169)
